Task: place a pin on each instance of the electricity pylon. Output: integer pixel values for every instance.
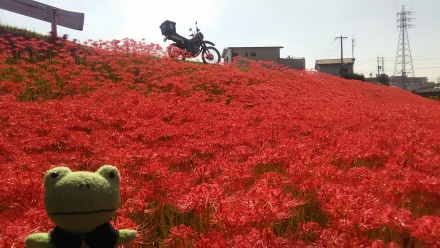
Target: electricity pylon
(404, 66)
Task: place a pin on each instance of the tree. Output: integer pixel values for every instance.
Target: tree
(353, 76)
(383, 79)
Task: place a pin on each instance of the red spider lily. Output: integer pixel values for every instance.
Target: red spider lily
(426, 228)
(238, 155)
(181, 236)
(255, 238)
(211, 239)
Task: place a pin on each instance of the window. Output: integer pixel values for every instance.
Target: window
(234, 54)
(253, 54)
(245, 54)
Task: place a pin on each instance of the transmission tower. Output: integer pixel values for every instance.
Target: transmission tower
(404, 66)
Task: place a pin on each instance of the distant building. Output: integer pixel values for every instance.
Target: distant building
(263, 54)
(412, 84)
(333, 66)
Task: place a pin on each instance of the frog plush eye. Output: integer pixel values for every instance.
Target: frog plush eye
(110, 173)
(55, 174)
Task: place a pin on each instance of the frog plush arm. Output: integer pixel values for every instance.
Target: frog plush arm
(126, 236)
(38, 240)
(41, 240)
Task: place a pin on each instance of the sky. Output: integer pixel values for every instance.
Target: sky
(304, 28)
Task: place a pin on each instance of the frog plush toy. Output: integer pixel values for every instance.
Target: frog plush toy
(81, 204)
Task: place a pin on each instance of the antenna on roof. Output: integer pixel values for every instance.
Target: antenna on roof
(353, 44)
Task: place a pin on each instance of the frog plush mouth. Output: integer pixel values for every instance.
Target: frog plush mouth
(81, 213)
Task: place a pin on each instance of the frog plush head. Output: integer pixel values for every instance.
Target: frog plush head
(81, 205)
(81, 201)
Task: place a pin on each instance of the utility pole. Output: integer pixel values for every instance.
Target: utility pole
(353, 44)
(403, 49)
(383, 66)
(342, 54)
(380, 66)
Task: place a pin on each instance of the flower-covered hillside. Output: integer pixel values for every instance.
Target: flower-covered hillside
(237, 155)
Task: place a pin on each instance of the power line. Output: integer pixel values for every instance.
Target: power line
(389, 59)
(332, 51)
(426, 68)
(426, 55)
(326, 49)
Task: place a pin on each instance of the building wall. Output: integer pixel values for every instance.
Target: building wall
(410, 84)
(334, 69)
(262, 54)
(255, 53)
(228, 55)
(297, 63)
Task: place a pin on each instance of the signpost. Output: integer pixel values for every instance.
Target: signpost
(44, 12)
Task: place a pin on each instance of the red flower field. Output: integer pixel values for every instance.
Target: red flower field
(247, 154)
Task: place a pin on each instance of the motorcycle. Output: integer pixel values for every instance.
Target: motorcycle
(189, 48)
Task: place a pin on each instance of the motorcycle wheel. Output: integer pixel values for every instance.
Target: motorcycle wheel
(211, 55)
(175, 52)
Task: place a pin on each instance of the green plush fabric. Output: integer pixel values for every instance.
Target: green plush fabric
(38, 240)
(79, 202)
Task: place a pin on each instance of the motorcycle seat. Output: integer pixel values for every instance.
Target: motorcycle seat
(178, 38)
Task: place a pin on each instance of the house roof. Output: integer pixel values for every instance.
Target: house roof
(334, 61)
